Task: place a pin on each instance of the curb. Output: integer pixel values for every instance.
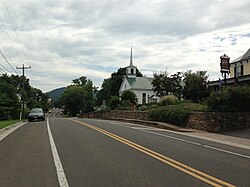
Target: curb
(161, 125)
(9, 129)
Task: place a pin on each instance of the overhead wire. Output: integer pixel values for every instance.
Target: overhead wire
(8, 62)
(14, 28)
(5, 68)
(1, 71)
(6, 32)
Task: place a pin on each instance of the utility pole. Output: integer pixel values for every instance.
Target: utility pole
(23, 68)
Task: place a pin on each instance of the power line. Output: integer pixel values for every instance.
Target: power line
(1, 71)
(8, 62)
(5, 68)
(11, 41)
(14, 29)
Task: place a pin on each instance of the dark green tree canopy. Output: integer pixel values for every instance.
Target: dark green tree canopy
(8, 100)
(10, 105)
(163, 84)
(78, 97)
(195, 88)
(129, 96)
(110, 86)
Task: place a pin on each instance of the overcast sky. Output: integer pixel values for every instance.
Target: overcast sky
(65, 39)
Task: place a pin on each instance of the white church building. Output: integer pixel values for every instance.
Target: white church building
(141, 86)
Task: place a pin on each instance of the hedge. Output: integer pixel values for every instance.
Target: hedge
(175, 114)
(230, 99)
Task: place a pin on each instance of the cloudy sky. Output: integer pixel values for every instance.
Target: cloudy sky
(65, 39)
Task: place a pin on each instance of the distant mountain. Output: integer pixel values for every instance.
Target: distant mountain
(56, 93)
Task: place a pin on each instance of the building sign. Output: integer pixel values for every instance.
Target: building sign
(224, 63)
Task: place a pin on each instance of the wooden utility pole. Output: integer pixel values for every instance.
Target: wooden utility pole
(23, 68)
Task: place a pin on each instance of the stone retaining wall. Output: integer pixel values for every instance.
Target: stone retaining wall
(208, 121)
(219, 121)
(118, 114)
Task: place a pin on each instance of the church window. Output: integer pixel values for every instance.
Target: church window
(132, 71)
(143, 98)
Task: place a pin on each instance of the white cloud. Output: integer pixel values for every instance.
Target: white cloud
(63, 40)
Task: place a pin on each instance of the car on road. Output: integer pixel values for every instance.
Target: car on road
(36, 114)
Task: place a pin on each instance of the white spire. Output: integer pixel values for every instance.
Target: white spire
(131, 69)
(131, 58)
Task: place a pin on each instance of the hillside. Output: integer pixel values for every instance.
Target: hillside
(56, 93)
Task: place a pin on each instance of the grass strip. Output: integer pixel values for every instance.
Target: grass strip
(6, 123)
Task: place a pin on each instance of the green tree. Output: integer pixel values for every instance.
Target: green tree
(74, 99)
(13, 85)
(110, 86)
(195, 88)
(129, 96)
(114, 102)
(163, 84)
(79, 96)
(9, 104)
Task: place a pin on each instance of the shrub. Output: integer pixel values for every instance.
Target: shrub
(175, 114)
(114, 102)
(171, 114)
(169, 100)
(230, 99)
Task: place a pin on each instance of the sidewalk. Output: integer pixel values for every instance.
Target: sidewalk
(239, 138)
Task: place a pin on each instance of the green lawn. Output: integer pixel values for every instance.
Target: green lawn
(6, 123)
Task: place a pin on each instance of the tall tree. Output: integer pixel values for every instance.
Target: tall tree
(9, 104)
(195, 88)
(74, 99)
(163, 84)
(110, 86)
(79, 96)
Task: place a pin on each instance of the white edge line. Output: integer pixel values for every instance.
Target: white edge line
(210, 147)
(179, 139)
(141, 128)
(59, 168)
(222, 150)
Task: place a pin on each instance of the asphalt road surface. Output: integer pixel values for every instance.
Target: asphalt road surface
(87, 152)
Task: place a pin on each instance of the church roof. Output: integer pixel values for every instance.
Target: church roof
(140, 83)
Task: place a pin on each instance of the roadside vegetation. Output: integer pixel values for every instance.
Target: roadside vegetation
(6, 123)
(180, 93)
(176, 112)
(10, 97)
(230, 99)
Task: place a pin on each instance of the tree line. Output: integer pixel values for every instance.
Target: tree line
(82, 96)
(10, 93)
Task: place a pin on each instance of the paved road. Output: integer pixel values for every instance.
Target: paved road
(89, 152)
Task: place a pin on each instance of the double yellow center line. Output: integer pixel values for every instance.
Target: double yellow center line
(175, 164)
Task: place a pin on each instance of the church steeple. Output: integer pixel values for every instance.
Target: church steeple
(131, 69)
(131, 57)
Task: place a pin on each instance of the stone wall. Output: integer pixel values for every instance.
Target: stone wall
(118, 114)
(208, 121)
(219, 121)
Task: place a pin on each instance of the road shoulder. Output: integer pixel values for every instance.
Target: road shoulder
(8, 130)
